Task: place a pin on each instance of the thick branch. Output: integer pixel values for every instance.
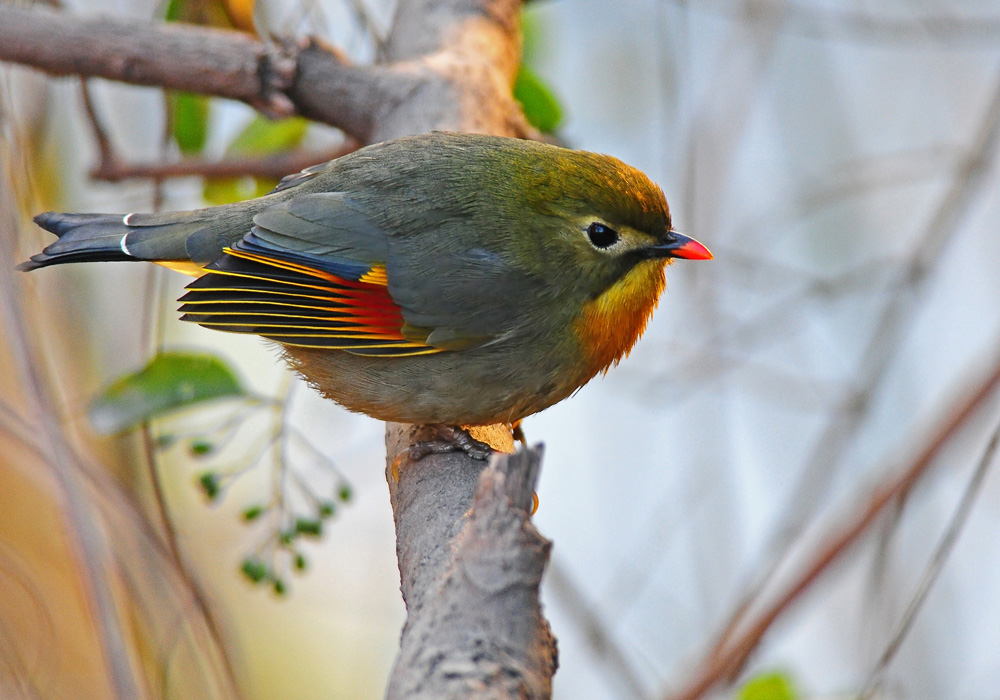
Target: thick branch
(474, 627)
(276, 79)
(182, 57)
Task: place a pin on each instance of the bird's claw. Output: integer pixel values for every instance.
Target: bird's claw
(450, 438)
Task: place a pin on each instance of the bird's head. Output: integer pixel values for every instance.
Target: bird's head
(610, 237)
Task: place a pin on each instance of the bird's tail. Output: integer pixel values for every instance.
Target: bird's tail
(82, 238)
(174, 236)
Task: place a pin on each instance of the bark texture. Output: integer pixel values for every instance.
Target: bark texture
(474, 627)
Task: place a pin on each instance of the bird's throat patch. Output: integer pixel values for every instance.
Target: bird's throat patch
(610, 325)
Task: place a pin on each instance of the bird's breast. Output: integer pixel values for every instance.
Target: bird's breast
(609, 325)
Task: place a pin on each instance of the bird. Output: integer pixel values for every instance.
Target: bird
(442, 279)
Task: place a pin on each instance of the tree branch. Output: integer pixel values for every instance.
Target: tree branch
(180, 57)
(475, 628)
(273, 166)
(278, 79)
(727, 661)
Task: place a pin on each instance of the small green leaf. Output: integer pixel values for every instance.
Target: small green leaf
(226, 190)
(279, 586)
(300, 562)
(326, 509)
(263, 136)
(169, 382)
(175, 8)
(200, 448)
(309, 526)
(255, 569)
(541, 108)
(210, 483)
(345, 493)
(189, 115)
(253, 512)
(768, 686)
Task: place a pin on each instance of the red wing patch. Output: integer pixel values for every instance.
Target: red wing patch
(295, 304)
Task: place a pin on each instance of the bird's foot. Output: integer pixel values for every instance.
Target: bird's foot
(450, 438)
(517, 432)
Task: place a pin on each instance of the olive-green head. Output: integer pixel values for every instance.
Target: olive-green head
(600, 231)
(587, 217)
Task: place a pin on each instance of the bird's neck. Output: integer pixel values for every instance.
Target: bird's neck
(611, 324)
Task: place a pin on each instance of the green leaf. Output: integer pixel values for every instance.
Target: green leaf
(189, 116)
(309, 527)
(541, 107)
(226, 190)
(210, 483)
(175, 9)
(200, 448)
(260, 137)
(255, 569)
(769, 686)
(253, 512)
(171, 381)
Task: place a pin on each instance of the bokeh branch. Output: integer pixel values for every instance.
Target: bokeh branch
(727, 660)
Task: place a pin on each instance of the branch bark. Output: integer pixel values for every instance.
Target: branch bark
(475, 628)
(461, 81)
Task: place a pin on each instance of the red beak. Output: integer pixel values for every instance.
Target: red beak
(680, 246)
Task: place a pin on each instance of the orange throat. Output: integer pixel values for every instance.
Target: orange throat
(610, 325)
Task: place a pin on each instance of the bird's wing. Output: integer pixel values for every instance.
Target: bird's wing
(313, 272)
(310, 273)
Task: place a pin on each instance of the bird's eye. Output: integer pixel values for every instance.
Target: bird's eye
(602, 236)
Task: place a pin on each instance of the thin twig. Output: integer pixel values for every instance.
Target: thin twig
(272, 166)
(104, 148)
(943, 30)
(598, 637)
(935, 565)
(896, 318)
(732, 656)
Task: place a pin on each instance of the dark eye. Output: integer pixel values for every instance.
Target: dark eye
(602, 236)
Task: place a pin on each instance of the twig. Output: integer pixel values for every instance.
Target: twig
(87, 540)
(272, 166)
(944, 30)
(587, 618)
(278, 78)
(877, 359)
(732, 656)
(935, 565)
(104, 149)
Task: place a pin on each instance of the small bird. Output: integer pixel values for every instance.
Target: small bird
(450, 279)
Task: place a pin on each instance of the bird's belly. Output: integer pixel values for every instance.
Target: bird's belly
(478, 387)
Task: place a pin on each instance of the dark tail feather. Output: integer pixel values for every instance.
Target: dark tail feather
(82, 238)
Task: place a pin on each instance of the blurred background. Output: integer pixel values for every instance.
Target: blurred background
(839, 158)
